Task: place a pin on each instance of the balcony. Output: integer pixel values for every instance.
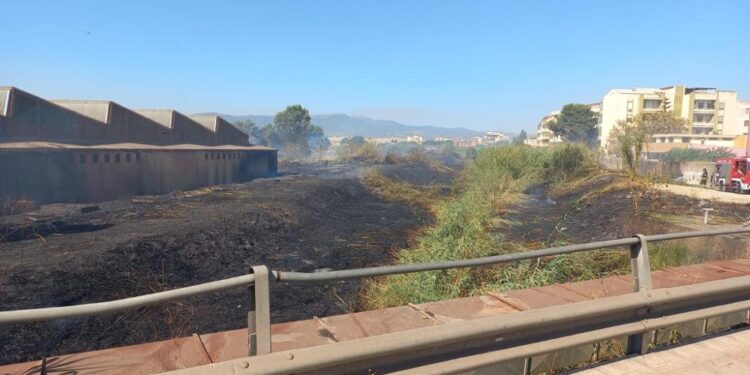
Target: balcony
(705, 125)
(704, 110)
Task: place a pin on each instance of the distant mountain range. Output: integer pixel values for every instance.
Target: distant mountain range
(340, 125)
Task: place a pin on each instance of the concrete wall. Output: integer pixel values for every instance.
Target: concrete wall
(228, 134)
(93, 175)
(4, 94)
(123, 125)
(688, 172)
(191, 132)
(183, 129)
(129, 126)
(29, 117)
(691, 171)
(25, 117)
(225, 133)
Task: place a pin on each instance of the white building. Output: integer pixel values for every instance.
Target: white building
(544, 135)
(415, 139)
(716, 140)
(708, 111)
(494, 137)
(384, 140)
(531, 140)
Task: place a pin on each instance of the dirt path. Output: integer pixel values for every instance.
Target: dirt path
(59, 256)
(706, 194)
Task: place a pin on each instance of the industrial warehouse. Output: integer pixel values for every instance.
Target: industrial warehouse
(95, 150)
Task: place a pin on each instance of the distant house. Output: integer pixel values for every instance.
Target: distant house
(495, 137)
(415, 139)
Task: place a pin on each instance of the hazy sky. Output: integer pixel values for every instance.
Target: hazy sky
(478, 64)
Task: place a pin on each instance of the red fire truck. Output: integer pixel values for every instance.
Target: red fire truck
(730, 174)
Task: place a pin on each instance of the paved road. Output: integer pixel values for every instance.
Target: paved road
(727, 354)
(707, 194)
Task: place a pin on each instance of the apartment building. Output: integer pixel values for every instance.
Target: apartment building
(708, 111)
(545, 136)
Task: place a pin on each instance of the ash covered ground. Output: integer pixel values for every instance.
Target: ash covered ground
(313, 218)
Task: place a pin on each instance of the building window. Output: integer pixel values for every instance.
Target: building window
(137, 156)
(117, 158)
(630, 105)
(127, 158)
(82, 158)
(95, 158)
(702, 118)
(106, 158)
(705, 104)
(651, 104)
(224, 156)
(720, 119)
(206, 156)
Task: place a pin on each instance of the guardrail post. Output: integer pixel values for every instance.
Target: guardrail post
(259, 313)
(638, 344)
(641, 265)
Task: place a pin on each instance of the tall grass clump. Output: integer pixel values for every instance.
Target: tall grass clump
(366, 152)
(401, 191)
(15, 205)
(492, 182)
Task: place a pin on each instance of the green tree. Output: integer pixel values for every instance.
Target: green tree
(627, 140)
(293, 133)
(576, 123)
(248, 126)
(661, 122)
(293, 127)
(317, 141)
(521, 138)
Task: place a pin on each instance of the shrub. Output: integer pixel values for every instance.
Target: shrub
(16, 205)
(365, 152)
(692, 154)
(464, 224)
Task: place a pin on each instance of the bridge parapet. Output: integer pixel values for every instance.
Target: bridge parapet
(518, 340)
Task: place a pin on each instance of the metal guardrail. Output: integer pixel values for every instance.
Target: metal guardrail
(480, 344)
(259, 280)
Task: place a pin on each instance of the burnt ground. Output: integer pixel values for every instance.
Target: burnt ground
(314, 218)
(416, 174)
(605, 208)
